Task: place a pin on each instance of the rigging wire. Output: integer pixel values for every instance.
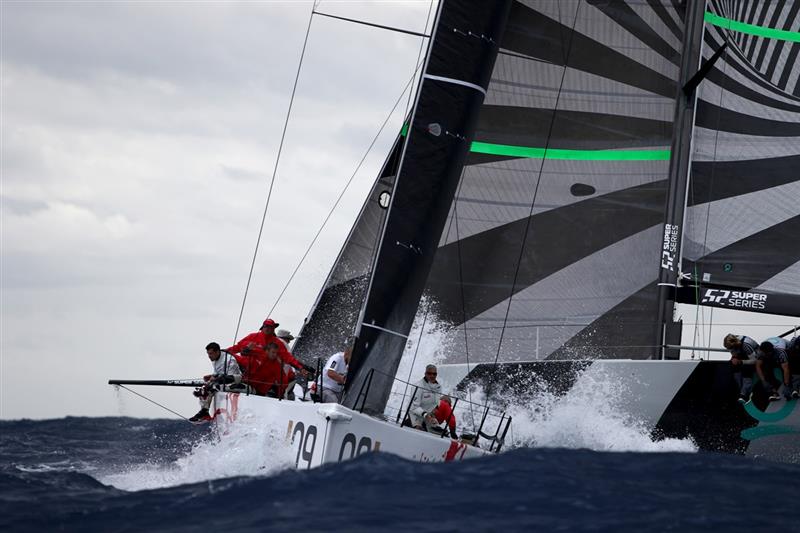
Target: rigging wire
(427, 307)
(355, 172)
(538, 181)
(373, 25)
(461, 287)
(342, 193)
(698, 311)
(274, 172)
(154, 402)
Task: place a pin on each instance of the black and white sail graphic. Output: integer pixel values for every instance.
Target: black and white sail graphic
(742, 237)
(549, 244)
(552, 248)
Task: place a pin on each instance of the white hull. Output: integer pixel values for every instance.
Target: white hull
(330, 433)
(683, 399)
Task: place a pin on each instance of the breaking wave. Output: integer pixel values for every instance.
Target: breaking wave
(251, 446)
(592, 415)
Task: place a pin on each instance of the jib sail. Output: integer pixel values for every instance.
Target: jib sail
(332, 320)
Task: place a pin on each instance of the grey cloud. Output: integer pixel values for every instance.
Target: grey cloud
(241, 174)
(20, 206)
(150, 130)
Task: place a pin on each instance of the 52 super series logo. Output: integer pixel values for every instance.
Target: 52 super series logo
(669, 247)
(735, 299)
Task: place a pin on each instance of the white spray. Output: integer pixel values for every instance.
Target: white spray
(251, 445)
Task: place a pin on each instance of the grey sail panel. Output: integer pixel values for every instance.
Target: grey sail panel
(743, 217)
(458, 66)
(555, 255)
(332, 321)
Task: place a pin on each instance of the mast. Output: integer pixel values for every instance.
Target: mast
(458, 66)
(678, 177)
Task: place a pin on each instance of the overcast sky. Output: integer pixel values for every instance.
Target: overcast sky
(138, 140)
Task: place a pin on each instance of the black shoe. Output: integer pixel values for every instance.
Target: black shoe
(743, 399)
(201, 417)
(774, 396)
(795, 394)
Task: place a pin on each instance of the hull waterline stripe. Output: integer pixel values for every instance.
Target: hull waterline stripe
(751, 29)
(373, 326)
(456, 82)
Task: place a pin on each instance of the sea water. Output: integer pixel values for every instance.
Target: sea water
(127, 474)
(575, 463)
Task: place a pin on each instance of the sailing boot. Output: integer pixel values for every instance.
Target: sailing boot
(201, 417)
(744, 398)
(774, 396)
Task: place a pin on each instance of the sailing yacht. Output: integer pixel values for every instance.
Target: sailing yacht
(570, 172)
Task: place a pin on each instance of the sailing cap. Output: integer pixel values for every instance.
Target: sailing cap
(284, 334)
(269, 323)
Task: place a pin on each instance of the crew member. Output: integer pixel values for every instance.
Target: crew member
(426, 397)
(334, 376)
(772, 355)
(793, 353)
(251, 352)
(743, 358)
(443, 413)
(225, 371)
(289, 374)
(285, 335)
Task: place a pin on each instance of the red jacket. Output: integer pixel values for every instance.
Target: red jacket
(259, 371)
(444, 412)
(260, 341)
(256, 372)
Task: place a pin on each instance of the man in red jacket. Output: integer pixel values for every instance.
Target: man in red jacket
(442, 413)
(264, 374)
(252, 355)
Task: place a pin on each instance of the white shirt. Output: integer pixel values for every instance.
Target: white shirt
(337, 364)
(226, 365)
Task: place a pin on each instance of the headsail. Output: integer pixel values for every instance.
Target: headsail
(332, 320)
(743, 214)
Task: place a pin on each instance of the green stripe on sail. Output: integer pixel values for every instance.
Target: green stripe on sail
(572, 155)
(556, 153)
(752, 29)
